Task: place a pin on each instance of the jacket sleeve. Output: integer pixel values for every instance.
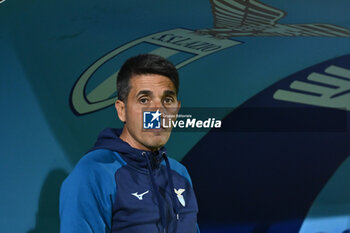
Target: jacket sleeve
(187, 176)
(86, 200)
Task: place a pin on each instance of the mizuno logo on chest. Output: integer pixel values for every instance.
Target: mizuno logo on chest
(140, 196)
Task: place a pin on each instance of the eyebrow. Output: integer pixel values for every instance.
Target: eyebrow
(169, 92)
(144, 92)
(150, 93)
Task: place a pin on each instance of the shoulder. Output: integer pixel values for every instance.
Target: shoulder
(101, 158)
(95, 168)
(179, 168)
(99, 161)
(88, 193)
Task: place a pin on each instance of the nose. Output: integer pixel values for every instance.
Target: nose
(158, 105)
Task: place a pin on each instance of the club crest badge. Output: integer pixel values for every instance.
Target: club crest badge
(232, 18)
(180, 197)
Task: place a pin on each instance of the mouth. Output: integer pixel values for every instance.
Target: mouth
(159, 130)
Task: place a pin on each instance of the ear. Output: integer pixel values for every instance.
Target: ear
(120, 107)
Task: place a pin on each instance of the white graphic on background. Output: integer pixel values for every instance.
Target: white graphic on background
(330, 90)
(140, 196)
(156, 115)
(151, 120)
(180, 197)
(232, 18)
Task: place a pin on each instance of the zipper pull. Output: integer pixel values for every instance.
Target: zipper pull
(177, 216)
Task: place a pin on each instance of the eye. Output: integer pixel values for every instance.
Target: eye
(168, 100)
(143, 100)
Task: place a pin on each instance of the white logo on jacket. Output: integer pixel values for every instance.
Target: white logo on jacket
(180, 197)
(140, 196)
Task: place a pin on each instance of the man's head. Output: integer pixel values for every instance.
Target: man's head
(146, 82)
(144, 64)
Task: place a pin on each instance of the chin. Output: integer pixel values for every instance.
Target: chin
(156, 143)
(156, 138)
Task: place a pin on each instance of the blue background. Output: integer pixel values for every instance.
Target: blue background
(254, 181)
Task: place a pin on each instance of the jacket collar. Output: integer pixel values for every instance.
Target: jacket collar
(109, 139)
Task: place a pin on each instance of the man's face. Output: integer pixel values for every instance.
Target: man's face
(152, 92)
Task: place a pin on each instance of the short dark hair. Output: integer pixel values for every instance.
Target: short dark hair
(144, 64)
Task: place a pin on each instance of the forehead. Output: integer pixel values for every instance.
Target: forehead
(152, 82)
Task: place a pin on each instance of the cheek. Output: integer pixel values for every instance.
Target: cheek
(134, 116)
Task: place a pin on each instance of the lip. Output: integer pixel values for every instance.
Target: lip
(161, 129)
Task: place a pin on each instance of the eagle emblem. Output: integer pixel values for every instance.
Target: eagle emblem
(180, 197)
(233, 18)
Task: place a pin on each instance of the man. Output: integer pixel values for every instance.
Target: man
(126, 183)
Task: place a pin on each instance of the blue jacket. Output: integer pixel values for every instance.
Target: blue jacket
(120, 189)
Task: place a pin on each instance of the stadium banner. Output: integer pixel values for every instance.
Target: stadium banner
(265, 91)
